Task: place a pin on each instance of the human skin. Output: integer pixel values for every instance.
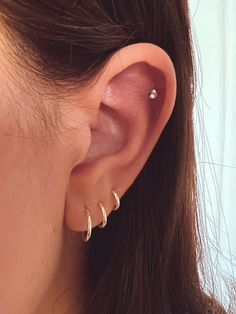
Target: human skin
(47, 175)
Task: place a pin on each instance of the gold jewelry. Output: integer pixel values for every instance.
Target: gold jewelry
(116, 199)
(104, 215)
(153, 94)
(87, 234)
(89, 226)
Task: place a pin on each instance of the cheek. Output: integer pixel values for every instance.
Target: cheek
(31, 205)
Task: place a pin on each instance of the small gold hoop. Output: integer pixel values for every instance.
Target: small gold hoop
(117, 199)
(87, 234)
(104, 215)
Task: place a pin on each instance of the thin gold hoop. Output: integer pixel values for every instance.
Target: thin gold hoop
(104, 215)
(87, 234)
(117, 200)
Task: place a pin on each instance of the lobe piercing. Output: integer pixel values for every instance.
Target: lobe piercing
(117, 199)
(104, 215)
(86, 235)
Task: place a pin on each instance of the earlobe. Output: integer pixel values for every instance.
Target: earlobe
(137, 96)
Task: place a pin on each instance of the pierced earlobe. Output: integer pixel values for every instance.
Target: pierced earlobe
(117, 200)
(87, 234)
(104, 215)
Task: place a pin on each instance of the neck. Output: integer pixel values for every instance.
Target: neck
(67, 291)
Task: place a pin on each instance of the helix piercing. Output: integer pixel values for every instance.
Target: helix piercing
(153, 94)
(104, 215)
(117, 200)
(87, 234)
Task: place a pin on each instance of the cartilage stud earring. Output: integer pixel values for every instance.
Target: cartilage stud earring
(153, 94)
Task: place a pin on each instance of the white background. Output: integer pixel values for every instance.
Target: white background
(214, 36)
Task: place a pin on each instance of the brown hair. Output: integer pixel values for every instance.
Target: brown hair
(146, 260)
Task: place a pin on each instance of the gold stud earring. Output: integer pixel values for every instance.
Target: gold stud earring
(104, 215)
(87, 234)
(117, 200)
(153, 94)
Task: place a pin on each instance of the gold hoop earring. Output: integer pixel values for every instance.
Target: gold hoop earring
(87, 234)
(117, 200)
(104, 215)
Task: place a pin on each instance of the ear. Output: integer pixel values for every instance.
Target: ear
(124, 128)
